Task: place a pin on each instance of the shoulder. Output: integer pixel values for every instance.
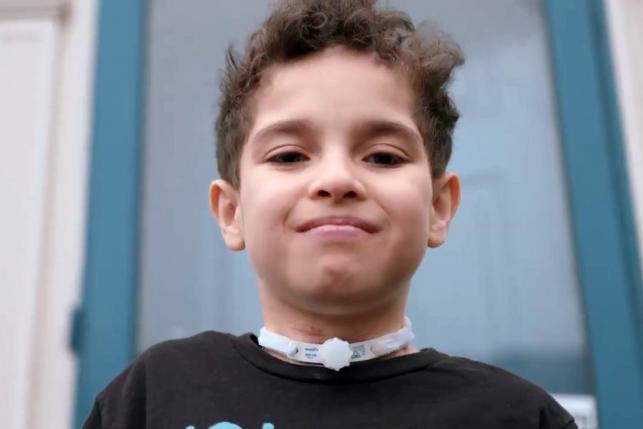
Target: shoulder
(481, 376)
(205, 347)
(171, 358)
(167, 366)
(487, 387)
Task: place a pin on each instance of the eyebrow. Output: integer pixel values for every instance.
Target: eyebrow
(367, 129)
(294, 127)
(380, 127)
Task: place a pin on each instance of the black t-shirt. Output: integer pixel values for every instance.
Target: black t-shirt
(221, 381)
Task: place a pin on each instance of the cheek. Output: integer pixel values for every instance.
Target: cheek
(410, 206)
(414, 224)
(265, 210)
(408, 212)
(261, 213)
(260, 231)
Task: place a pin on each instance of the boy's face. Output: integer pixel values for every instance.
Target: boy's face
(336, 205)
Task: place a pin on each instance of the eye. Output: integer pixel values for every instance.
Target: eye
(386, 159)
(290, 157)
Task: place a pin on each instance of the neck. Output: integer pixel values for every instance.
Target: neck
(316, 327)
(410, 349)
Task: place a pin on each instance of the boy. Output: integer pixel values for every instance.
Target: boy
(333, 137)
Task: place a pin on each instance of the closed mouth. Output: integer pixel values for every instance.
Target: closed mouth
(356, 222)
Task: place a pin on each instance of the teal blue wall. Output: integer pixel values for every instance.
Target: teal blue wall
(608, 262)
(104, 325)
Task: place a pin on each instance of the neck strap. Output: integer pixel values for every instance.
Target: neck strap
(335, 353)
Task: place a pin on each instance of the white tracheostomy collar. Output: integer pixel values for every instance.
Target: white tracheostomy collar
(335, 353)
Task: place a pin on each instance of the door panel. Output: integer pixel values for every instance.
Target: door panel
(503, 289)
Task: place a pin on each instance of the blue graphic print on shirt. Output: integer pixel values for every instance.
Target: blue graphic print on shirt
(228, 425)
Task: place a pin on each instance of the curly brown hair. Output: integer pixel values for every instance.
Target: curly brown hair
(298, 28)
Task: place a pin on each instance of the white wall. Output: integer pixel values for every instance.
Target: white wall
(46, 77)
(625, 20)
(27, 57)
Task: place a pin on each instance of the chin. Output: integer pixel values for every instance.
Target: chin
(343, 293)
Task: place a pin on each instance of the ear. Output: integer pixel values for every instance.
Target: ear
(224, 203)
(446, 199)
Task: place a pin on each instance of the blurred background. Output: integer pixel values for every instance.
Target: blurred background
(107, 245)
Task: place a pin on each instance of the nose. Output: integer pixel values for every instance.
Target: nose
(336, 180)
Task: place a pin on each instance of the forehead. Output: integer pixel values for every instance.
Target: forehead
(335, 88)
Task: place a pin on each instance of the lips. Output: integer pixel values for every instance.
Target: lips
(356, 222)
